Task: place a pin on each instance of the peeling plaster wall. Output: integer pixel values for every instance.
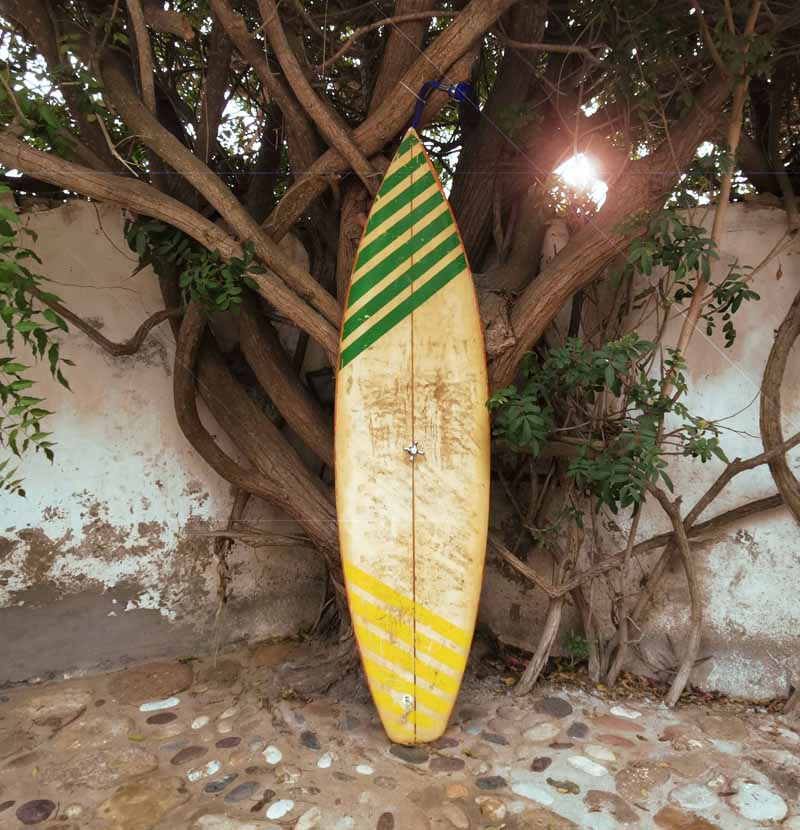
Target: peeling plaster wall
(104, 561)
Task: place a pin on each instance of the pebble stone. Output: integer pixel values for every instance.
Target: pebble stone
(624, 712)
(228, 743)
(309, 820)
(280, 808)
(555, 706)
(211, 768)
(385, 822)
(310, 740)
(36, 811)
(541, 733)
(577, 730)
(190, 753)
(532, 792)
(494, 738)
(491, 808)
(693, 797)
(155, 705)
(242, 791)
(409, 754)
(364, 769)
(5, 805)
(443, 763)
(588, 766)
(272, 755)
(221, 783)
(491, 782)
(325, 760)
(199, 723)
(759, 804)
(600, 753)
(161, 718)
(541, 763)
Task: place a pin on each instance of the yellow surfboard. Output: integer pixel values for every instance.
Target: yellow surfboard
(412, 450)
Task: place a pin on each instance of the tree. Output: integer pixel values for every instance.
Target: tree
(224, 125)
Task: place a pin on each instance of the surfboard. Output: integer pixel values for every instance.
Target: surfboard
(412, 450)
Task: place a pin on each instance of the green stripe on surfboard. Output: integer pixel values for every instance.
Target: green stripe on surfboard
(406, 211)
(407, 250)
(396, 286)
(403, 309)
(397, 229)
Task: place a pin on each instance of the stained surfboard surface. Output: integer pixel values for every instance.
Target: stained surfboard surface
(412, 370)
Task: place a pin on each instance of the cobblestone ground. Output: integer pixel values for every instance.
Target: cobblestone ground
(223, 745)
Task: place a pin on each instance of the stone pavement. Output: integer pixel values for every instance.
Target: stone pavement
(228, 745)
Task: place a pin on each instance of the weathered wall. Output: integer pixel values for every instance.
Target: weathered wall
(749, 573)
(104, 561)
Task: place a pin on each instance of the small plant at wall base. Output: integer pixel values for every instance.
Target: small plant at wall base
(23, 324)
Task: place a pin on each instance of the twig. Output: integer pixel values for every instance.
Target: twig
(144, 53)
(622, 629)
(672, 509)
(707, 39)
(557, 48)
(112, 148)
(726, 181)
(129, 347)
(363, 30)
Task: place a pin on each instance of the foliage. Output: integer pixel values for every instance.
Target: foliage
(203, 275)
(21, 413)
(679, 249)
(620, 450)
(576, 647)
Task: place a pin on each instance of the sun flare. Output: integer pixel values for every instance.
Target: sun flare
(579, 173)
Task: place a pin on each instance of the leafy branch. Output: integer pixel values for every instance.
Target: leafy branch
(217, 284)
(22, 413)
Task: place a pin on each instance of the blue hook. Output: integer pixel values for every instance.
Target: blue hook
(458, 92)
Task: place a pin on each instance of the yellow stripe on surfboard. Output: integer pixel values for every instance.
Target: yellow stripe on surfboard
(434, 676)
(444, 628)
(425, 647)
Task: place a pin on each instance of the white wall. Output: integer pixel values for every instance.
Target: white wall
(103, 561)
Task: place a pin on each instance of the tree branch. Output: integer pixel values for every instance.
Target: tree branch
(333, 129)
(216, 83)
(555, 48)
(672, 509)
(280, 477)
(144, 199)
(640, 189)
(393, 113)
(386, 21)
(144, 52)
(129, 347)
(275, 373)
(303, 144)
(172, 151)
(770, 412)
